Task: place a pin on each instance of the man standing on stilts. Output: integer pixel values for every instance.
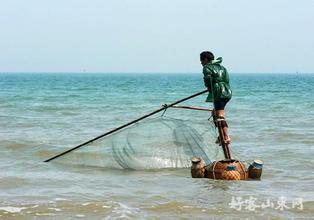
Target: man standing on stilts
(216, 79)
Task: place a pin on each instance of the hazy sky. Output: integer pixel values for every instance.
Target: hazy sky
(155, 36)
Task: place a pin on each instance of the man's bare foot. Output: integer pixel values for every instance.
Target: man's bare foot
(227, 140)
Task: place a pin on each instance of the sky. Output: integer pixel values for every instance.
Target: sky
(164, 36)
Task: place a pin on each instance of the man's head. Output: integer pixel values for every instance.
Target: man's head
(206, 57)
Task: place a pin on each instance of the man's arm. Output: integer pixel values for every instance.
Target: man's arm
(207, 77)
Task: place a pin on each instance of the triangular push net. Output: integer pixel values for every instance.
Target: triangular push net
(162, 141)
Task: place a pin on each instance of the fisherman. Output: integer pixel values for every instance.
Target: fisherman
(216, 79)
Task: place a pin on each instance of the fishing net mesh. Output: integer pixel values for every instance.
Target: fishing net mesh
(167, 141)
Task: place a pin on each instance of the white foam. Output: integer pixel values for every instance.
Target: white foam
(12, 209)
(61, 199)
(45, 214)
(55, 209)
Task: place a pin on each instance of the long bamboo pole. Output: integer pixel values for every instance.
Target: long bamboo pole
(193, 108)
(127, 124)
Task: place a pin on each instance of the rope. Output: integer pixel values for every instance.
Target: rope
(166, 107)
(243, 170)
(214, 169)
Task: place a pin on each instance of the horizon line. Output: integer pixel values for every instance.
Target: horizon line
(98, 72)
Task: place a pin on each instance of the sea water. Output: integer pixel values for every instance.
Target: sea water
(271, 117)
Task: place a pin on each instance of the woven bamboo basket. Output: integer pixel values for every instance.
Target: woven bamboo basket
(216, 169)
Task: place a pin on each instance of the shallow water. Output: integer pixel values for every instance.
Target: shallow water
(271, 117)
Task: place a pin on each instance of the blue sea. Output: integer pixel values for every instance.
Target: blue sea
(270, 117)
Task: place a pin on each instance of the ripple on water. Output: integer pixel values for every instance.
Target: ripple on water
(65, 208)
(12, 182)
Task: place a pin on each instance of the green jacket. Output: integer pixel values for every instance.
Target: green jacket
(216, 78)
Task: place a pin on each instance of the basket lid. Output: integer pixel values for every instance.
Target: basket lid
(258, 163)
